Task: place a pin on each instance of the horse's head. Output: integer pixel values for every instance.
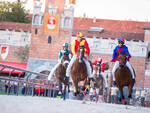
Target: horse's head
(122, 60)
(65, 60)
(80, 53)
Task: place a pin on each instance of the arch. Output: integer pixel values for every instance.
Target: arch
(39, 70)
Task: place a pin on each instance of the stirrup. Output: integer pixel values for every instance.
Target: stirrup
(133, 80)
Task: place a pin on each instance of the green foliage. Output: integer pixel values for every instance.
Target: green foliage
(22, 53)
(13, 12)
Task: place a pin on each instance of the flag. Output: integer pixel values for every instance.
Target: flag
(4, 52)
(36, 0)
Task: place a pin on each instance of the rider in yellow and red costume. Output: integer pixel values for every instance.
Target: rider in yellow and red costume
(75, 44)
(82, 42)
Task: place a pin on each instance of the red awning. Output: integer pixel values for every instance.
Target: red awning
(13, 64)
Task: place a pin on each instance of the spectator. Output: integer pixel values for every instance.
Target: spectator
(91, 94)
(118, 97)
(114, 94)
(6, 85)
(143, 94)
(16, 86)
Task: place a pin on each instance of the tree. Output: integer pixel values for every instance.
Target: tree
(13, 12)
(22, 53)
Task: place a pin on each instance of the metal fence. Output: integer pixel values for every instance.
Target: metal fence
(25, 86)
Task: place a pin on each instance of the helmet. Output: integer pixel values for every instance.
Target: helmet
(65, 45)
(121, 40)
(79, 35)
(99, 59)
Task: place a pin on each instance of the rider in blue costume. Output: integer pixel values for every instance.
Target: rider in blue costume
(121, 48)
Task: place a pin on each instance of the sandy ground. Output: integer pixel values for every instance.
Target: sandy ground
(22, 104)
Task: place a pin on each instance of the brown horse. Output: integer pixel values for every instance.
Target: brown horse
(79, 70)
(123, 76)
(99, 82)
(61, 74)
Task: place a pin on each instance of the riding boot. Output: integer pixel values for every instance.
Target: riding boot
(114, 83)
(66, 78)
(133, 80)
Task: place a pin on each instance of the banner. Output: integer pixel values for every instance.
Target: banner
(72, 2)
(4, 52)
(51, 24)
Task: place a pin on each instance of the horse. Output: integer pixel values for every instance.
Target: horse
(124, 77)
(99, 82)
(79, 70)
(61, 74)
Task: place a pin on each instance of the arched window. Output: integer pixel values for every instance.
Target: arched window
(66, 22)
(49, 39)
(36, 20)
(36, 31)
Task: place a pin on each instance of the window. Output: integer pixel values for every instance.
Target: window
(49, 39)
(41, 20)
(36, 31)
(66, 22)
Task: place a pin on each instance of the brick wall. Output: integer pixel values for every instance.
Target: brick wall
(147, 82)
(40, 48)
(147, 36)
(11, 57)
(137, 63)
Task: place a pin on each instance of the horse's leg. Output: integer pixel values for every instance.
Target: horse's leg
(121, 91)
(60, 87)
(87, 84)
(64, 93)
(130, 90)
(76, 88)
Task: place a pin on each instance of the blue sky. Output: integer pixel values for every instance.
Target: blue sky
(110, 9)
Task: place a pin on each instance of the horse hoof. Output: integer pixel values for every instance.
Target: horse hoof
(75, 94)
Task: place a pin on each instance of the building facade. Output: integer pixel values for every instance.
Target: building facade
(46, 36)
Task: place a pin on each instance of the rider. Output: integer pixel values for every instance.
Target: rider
(121, 48)
(61, 53)
(82, 41)
(99, 62)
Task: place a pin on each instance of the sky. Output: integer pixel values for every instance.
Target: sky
(137, 10)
